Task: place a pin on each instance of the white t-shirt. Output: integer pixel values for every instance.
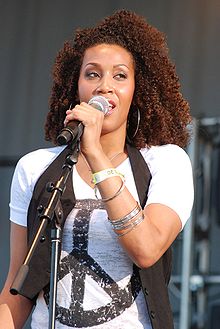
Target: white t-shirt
(97, 286)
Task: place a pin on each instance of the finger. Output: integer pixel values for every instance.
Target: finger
(71, 114)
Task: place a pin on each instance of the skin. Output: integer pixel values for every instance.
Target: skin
(109, 71)
(113, 79)
(14, 310)
(105, 136)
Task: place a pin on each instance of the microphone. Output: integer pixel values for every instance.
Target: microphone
(75, 128)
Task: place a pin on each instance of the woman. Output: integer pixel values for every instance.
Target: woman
(115, 258)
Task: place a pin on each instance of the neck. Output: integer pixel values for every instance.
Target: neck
(112, 143)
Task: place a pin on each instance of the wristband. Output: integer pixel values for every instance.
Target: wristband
(100, 176)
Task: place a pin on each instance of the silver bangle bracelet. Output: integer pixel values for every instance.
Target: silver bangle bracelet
(133, 225)
(127, 224)
(115, 195)
(126, 218)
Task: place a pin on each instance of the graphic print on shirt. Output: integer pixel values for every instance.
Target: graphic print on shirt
(83, 268)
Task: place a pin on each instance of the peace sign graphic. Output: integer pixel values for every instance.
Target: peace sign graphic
(81, 266)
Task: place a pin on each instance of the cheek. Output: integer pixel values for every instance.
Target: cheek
(128, 89)
(83, 89)
(127, 94)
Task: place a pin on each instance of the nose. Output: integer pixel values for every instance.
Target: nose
(105, 86)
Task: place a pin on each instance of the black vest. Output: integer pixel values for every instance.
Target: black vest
(154, 279)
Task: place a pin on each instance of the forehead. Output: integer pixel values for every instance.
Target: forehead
(108, 53)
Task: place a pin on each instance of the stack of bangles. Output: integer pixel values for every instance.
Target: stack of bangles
(129, 221)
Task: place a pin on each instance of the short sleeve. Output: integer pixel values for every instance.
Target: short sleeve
(172, 179)
(28, 170)
(20, 194)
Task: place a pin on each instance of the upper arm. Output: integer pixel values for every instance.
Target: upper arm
(166, 223)
(18, 248)
(19, 306)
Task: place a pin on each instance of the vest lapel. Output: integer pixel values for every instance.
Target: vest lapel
(141, 173)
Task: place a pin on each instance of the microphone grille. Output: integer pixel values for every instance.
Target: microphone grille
(99, 103)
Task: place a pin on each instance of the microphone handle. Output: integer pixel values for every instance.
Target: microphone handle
(73, 131)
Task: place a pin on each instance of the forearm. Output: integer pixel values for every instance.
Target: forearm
(144, 243)
(124, 202)
(157, 226)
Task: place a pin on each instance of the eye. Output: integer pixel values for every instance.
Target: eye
(91, 75)
(120, 76)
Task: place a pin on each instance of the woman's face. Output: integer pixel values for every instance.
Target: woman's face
(108, 70)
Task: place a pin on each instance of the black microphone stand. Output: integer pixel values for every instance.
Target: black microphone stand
(57, 191)
(52, 213)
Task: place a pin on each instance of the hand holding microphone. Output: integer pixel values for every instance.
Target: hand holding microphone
(74, 129)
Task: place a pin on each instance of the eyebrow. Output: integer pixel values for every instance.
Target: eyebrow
(114, 66)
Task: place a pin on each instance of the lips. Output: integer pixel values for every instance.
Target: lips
(112, 106)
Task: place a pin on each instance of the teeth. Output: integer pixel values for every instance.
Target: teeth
(111, 107)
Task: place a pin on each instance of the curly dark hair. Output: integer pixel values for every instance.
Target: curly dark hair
(164, 112)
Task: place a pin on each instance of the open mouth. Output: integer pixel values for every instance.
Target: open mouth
(111, 107)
